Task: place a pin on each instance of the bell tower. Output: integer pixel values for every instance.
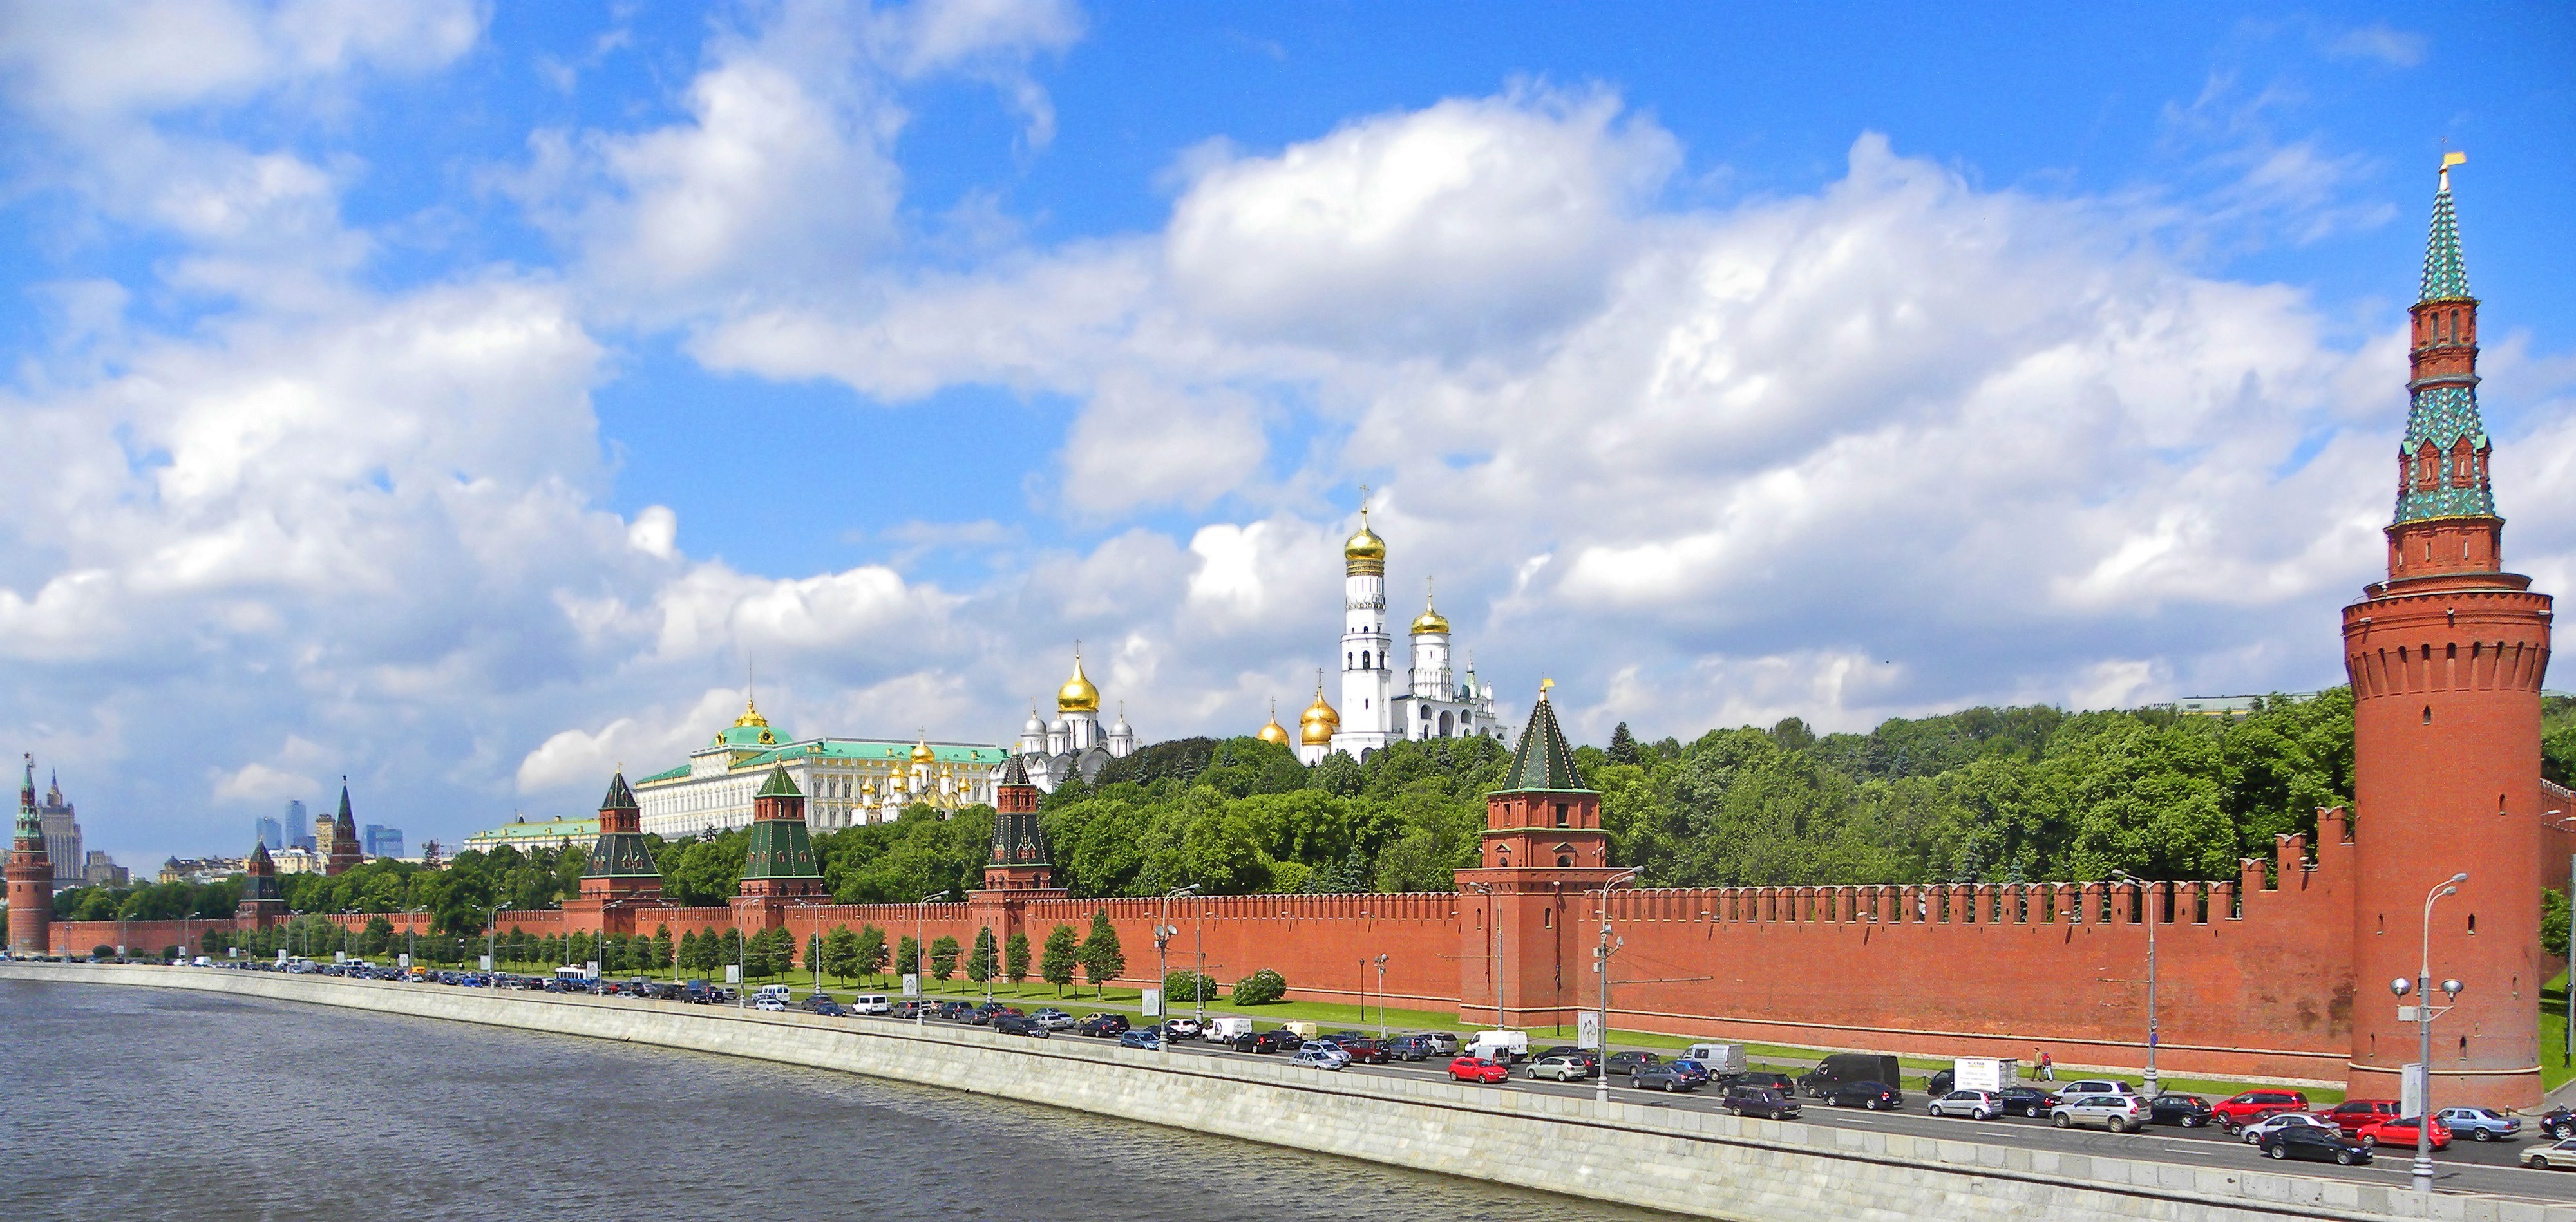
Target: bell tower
(2446, 659)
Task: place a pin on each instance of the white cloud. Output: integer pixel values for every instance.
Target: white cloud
(256, 782)
(81, 62)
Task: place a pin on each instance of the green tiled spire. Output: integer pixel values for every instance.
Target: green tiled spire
(779, 784)
(29, 826)
(780, 848)
(619, 854)
(1543, 761)
(2445, 277)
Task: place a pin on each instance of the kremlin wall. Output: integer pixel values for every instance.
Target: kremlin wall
(2280, 972)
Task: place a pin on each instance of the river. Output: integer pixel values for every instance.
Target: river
(129, 1103)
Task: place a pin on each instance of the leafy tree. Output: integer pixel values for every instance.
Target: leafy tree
(1102, 958)
(1015, 959)
(378, 935)
(869, 957)
(1260, 988)
(907, 957)
(841, 953)
(1623, 746)
(1059, 959)
(1182, 985)
(662, 948)
(943, 958)
(814, 955)
(979, 961)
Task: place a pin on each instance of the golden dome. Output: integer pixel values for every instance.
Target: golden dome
(921, 752)
(1274, 732)
(1077, 695)
(1364, 552)
(750, 715)
(1430, 620)
(1316, 727)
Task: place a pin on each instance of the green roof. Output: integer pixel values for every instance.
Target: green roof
(779, 784)
(779, 848)
(2443, 413)
(843, 750)
(667, 774)
(619, 796)
(621, 855)
(2446, 278)
(1543, 761)
(543, 829)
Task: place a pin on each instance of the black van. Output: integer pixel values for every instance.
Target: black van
(1842, 1067)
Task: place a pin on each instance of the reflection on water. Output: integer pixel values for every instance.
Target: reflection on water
(133, 1103)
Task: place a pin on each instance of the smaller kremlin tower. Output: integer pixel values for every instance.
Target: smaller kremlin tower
(346, 853)
(263, 899)
(780, 862)
(31, 876)
(621, 863)
(1021, 861)
(1543, 848)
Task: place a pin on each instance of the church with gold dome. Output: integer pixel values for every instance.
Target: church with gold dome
(1073, 741)
(1432, 700)
(845, 781)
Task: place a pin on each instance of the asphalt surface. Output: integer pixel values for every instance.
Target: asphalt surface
(2468, 1166)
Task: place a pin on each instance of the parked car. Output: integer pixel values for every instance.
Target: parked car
(824, 1007)
(2318, 1142)
(1364, 1050)
(2481, 1123)
(1767, 1102)
(1182, 1028)
(1630, 1062)
(2094, 1086)
(1102, 1026)
(1667, 1076)
(1053, 1019)
(1973, 1104)
(2354, 1115)
(1874, 1096)
(1142, 1037)
(953, 1011)
(2255, 1133)
(1018, 1024)
(1696, 1072)
(1267, 1041)
(2236, 1113)
(1560, 1068)
(1478, 1069)
(1591, 1060)
(1409, 1048)
(2558, 1122)
(2189, 1111)
(2023, 1101)
(909, 1008)
(1316, 1054)
(2556, 1156)
(1442, 1043)
(1843, 1067)
(2118, 1113)
(771, 1004)
(2400, 1131)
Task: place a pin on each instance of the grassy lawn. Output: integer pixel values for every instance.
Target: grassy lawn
(2554, 1069)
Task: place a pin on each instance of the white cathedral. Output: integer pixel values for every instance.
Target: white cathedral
(1432, 702)
(1073, 742)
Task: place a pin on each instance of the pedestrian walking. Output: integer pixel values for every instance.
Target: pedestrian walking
(2047, 1067)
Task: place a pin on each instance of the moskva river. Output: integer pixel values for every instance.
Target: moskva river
(126, 1104)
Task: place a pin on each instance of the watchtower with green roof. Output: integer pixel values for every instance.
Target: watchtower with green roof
(779, 863)
(621, 863)
(1543, 852)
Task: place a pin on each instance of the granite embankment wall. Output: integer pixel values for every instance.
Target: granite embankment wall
(1687, 1162)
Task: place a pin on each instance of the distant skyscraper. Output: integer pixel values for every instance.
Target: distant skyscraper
(62, 836)
(383, 841)
(271, 834)
(299, 828)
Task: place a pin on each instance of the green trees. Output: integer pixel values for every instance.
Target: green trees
(1061, 956)
(1015, 960)
(841, 953)
(1260, 988)
(1102, 958)
(943, 958)
(979, 962)
(907, 957)
(1184, 985)
(868, 958)
(376, 937)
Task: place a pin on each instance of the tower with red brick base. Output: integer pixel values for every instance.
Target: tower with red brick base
(346, 853)
(778, 865)
(263, 899)
(621, 875)
(1523, 960)
(2446, 659)
(31, 875)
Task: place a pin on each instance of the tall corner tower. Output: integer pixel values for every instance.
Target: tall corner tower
(1368, 667)
(1543, 847)
(621, 863)
(31, 876)
(2446, 659)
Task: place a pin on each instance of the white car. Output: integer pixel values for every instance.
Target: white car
(1315, 1054)
(2093, 1086)
(771, 1004)
(1053, 1020)
(1973, 1104)
(2118, 1113)
(2277, 1121)
(1183, 1028)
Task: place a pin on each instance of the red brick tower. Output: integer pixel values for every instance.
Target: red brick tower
(621, 876)
(346, 853)
(1021, 861)
(1543, 848)
(2446, 659)
(778, 865)
(263, 899)
(31, 876)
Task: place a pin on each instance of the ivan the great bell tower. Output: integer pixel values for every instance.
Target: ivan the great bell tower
(2446, 659)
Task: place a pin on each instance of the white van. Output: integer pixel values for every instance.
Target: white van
(1501, 1047)
(871, 1003)
(1225, 1028)
(780, 991)
(1717, 1058)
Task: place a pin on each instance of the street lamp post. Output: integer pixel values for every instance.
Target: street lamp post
(2422, 987)
(1381, 998)
(920, 930)
(1198, 935)
(2146, 908)
(492, 949)
(1163, 931)
(1601, 964)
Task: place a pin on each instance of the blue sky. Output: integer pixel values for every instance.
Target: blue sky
(459, 397)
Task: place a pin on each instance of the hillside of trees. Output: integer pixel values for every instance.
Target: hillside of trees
(2007, 795)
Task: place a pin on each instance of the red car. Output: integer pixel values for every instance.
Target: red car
(2399, 1133)
(1478, 1069)
(2254, 1105)
(2354, 1115)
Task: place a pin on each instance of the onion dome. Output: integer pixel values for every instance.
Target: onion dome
(1274, 732)
(1430, 620)
(1316, 727)
(1034, 725)
(921, 753)
(750, 715)
(1364, 552)
(1059, 726)
(1077, 695)
(1122, 728)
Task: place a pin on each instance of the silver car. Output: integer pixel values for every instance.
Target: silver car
(1561, 1068)
(2118, 1113)
(2481, 1124)
(1315, 1054)
(2277, 1121)
(1973, 1104)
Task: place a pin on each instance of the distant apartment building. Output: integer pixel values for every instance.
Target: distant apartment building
(200, 869)
(272, 834)
(100, 870)
(62, 836)
(382, 841)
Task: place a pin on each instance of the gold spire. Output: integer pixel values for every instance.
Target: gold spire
(1316, 727)
(1077, 695)
(1274, 732)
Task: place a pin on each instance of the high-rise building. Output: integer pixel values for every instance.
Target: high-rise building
(62, 836)
(299, 828)
(2446, 659)
(271, 834)
(383, 841)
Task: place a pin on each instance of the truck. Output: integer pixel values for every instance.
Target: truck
(1500, 1047)
(1226, 1028)
(1305, 1030)
(1716, 1058)
(1983, 1073)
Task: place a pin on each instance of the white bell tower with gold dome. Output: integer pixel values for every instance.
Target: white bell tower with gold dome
(1368, 650)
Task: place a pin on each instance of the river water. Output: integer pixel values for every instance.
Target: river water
(133, 1103)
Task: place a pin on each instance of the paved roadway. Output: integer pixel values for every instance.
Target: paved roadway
(2468, 1166)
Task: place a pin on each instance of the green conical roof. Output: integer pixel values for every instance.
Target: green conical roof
(2446, 278)
(1543, 761)
(619, 796)
(621, 855)
(28, 824)
(779, 784)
